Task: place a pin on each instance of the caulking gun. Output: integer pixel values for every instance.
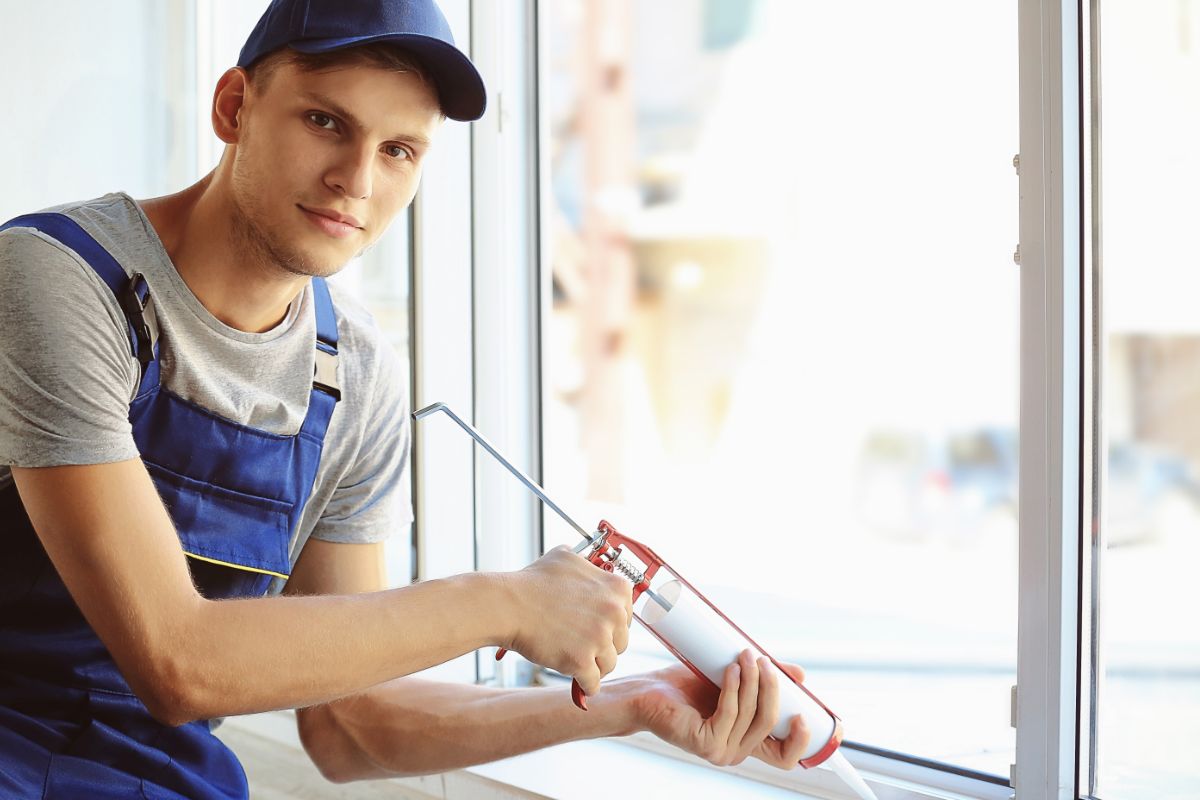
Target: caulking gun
(687, 624)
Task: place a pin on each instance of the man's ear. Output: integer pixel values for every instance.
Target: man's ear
(228, 100)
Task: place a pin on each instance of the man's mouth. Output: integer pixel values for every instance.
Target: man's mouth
(332, 222)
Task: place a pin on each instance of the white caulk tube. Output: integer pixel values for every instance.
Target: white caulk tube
(709, 642)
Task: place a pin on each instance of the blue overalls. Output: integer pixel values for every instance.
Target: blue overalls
(70, 727)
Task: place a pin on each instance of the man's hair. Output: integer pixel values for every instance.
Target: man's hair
(378, 54)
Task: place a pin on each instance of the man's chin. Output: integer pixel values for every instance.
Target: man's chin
(319, 261)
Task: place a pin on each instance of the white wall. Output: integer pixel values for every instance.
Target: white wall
(98, 99)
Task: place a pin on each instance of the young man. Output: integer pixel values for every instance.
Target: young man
(205, 445)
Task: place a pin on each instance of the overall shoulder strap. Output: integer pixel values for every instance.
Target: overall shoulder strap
(132, 294)
(325, 367)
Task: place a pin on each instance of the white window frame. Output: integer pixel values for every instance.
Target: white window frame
(507, 300)
(496, 286)
(1052, 395)
(442, 356)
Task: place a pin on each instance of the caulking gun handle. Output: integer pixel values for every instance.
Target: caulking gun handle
(577, 695)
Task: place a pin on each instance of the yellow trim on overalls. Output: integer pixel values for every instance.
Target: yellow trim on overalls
(235, 566)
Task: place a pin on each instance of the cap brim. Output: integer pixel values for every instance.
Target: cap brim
(461, 92)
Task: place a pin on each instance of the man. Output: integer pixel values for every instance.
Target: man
(205, 445)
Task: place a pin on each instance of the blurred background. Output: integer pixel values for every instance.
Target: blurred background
(783, 347)
(780, 344)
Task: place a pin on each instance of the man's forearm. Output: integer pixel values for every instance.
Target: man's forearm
(413, 726)
(285, 652)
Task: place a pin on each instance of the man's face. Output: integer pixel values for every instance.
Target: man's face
(326, 160)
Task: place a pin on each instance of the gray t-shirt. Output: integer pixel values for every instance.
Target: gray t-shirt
(67, 374)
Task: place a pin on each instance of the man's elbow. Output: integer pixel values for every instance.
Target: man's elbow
(168, 674)
(332, 748)
(168, 687)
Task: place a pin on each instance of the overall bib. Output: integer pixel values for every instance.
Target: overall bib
(70, 727)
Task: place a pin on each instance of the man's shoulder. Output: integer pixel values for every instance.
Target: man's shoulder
(39, 259)
(115, 209)
(112, 220)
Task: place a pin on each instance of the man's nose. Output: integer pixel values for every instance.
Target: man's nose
(352, 174)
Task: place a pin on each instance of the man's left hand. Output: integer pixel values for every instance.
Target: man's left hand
(724, 727)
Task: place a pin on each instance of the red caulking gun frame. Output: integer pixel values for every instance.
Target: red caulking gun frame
(680, 617)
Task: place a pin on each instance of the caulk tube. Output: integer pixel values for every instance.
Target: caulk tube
(708, 642)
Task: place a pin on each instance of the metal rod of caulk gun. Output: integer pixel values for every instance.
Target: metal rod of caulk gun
(521, 476)
(525, 479)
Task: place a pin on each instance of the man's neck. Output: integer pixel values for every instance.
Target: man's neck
(235, 284)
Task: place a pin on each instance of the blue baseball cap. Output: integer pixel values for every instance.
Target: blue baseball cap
(318, 26)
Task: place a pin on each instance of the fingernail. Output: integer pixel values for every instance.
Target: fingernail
(737, 670)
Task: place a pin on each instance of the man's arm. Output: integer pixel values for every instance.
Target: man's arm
(414, 726)
(107, 533)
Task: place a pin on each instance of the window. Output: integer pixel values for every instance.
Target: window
(782, 344)
(1145, 668)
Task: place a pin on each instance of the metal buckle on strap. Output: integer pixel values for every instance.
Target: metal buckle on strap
(325, 374)
(141, 316)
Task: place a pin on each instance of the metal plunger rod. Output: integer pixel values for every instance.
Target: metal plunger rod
(525, 479)
(521, 476)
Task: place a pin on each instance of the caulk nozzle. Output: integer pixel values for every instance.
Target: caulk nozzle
(838, 763)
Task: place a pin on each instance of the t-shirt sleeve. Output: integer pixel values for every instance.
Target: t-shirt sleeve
(66, 370)
(373, 499)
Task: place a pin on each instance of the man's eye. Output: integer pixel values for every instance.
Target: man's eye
(396, 151)
(322, 120)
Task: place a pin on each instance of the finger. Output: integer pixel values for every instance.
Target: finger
(721, 722)
(796, 742)
(621, 639)
(771, 752)
(589, 680)
(768, 700)
(747, 701)
(784, 755)
(768, 711)
(607, 661)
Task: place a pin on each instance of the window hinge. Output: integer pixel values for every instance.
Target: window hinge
(1012, 719)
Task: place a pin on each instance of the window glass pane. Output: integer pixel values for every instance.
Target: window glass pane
(1149, 694)
(782, 345)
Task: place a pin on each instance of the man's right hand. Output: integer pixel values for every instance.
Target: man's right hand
(570, 616)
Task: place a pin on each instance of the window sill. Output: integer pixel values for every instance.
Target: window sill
(564, 771)
(277, 765)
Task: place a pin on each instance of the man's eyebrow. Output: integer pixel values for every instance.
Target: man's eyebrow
(336, 108)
